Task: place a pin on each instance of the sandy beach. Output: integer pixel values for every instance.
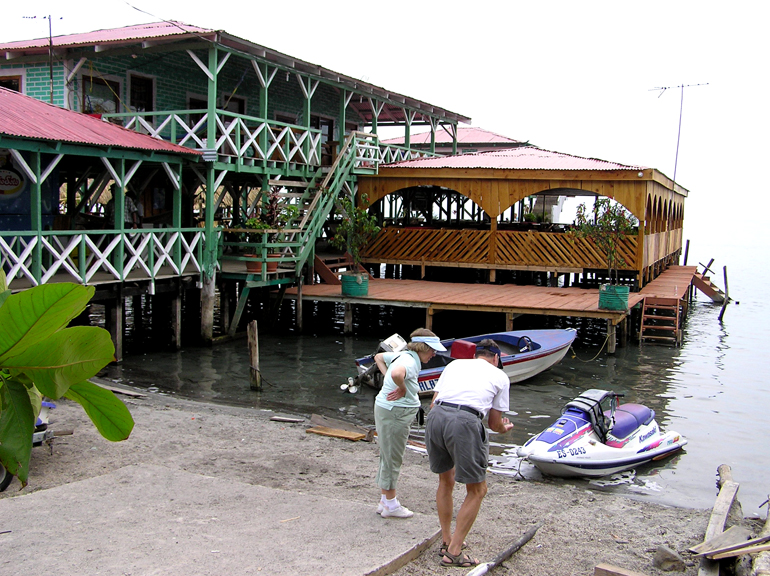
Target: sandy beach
(579, 528)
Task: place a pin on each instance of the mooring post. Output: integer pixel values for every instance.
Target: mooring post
(727, 297)
(611, 337)
(255, 376)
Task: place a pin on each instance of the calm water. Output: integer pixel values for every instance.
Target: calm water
(712, 389)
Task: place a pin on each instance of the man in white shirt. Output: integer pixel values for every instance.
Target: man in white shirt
(457, 441)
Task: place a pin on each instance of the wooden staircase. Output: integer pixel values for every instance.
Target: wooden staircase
(661, 320)
(703, 283)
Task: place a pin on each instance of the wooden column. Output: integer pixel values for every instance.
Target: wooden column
(207, 308)
(348, 323)
(255, 377)
(299, 306)
(611, 337)
(176, 318)
(114, 318)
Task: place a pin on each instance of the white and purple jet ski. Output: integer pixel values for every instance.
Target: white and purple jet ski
(597, 436)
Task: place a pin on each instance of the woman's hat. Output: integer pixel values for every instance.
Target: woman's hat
(431, 341)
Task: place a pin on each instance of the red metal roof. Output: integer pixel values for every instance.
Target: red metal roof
(24, 117)
(155, 30)
(465, 135)
(521, 158)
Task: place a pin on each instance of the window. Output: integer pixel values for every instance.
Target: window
(142, 94)
(196, 103)
(11, 82)
(285, 118)
(100, 96)
(233, 104)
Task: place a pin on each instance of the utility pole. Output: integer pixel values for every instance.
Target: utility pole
(681, 106)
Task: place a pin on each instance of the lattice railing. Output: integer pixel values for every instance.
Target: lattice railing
(390, 153)
(511, 248)
(246, 138)
(101, 256)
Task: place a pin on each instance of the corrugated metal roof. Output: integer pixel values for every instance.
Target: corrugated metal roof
(465, 135)
(177, 31)
(521, 158)
(24, 117)
(153, 30)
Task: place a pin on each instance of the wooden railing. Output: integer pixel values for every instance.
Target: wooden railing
(89, 257)
(245, 139)
(502, 249)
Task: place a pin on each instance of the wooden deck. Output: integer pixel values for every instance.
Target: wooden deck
(509, 299)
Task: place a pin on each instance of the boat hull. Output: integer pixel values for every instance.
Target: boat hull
(548, 348)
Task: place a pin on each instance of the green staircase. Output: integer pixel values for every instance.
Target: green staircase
(296, 242)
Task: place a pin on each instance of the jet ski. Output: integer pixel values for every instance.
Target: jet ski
(596, 436)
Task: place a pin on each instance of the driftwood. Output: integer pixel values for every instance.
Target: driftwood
(108, 386)
(287, 419)
(505, 554)
(727, 492)
(608, 570)
(327, 422)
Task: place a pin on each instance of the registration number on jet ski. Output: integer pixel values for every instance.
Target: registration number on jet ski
(571, 452)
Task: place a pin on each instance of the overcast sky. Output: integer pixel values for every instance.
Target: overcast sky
(575, 77)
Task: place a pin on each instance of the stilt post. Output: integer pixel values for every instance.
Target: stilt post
(727, 297)
(611, 337)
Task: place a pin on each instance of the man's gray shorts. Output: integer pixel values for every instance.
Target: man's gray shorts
(457, 439)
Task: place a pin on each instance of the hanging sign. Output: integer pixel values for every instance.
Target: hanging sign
(12, 181)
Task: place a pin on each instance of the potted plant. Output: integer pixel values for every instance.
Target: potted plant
(271, 217)
(353, 232)
(605, 225)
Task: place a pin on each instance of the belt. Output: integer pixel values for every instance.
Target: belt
(461, 407)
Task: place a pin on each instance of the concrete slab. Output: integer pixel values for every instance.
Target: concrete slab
(145, 520)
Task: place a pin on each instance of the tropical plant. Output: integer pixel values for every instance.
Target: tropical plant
(41, 356)
(355, 230)
(605, 224)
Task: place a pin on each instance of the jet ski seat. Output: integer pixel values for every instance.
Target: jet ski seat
(629, 417)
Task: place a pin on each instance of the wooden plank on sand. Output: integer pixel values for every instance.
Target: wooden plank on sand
(735, 536)
(608, 570)
(324, 431)
(327, 422)
(741, 551)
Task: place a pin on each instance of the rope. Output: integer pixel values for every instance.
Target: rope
(574, 354)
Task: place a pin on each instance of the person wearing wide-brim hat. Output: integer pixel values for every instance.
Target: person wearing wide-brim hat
(394, 410)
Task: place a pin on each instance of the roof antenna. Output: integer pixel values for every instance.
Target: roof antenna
(681, 105)
(50, 48)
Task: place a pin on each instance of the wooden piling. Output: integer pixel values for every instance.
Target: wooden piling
(727, 297)
(255, 376)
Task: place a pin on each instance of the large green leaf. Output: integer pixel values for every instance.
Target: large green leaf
(109, 415)
(32, 316)
(4, 292)
(69, 356)
(17, 422)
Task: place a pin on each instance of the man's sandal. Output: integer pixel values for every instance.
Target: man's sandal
(444, 547)
(462, 560)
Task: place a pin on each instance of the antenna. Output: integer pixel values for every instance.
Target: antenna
(50, 48)
(681, 105)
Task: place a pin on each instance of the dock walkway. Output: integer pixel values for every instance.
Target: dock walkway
(510, 299)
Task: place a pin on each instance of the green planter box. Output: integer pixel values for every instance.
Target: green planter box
(355, 285)
(613, 297)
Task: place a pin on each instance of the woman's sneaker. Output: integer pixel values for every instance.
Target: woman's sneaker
(400, 512)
